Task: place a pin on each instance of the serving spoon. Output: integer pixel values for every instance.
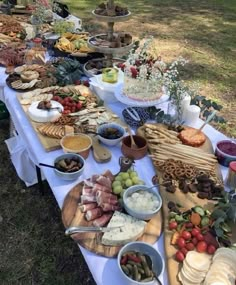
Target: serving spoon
(150, 264)
(47, 165)
(133, 144)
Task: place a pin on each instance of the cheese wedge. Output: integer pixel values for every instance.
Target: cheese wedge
(131, 229)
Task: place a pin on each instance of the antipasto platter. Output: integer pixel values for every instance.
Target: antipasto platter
(91, 203)
(191, 184)
(56, 111)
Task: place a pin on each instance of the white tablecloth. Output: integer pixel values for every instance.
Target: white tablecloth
(104, 270)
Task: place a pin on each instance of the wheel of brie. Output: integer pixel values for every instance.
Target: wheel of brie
(43, 116)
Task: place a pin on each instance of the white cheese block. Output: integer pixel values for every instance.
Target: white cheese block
(43, 116)
(131, 229)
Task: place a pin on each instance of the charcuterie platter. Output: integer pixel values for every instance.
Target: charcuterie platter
(79, 112)
(76, 212)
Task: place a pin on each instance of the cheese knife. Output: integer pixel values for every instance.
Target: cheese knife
(81, 229)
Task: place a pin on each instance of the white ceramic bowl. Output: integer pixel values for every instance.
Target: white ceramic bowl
(145, 214)
(145, 248)
(69, 175)
(110, 142)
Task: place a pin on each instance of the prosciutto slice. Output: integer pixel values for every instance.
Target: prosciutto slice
(104, 197)
(98, 187)
(93, 214)
(88, 182)
(109, 175)
(84, 208)
(87, 190)
(105, 181)
(106, 207)
(94, 178)
(87, 199)
(103, 220)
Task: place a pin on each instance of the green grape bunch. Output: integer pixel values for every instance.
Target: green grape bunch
(124, 180)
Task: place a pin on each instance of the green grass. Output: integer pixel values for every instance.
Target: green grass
(201, 31)
(33, 247)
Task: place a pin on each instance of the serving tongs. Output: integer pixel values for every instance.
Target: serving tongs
(81, 229)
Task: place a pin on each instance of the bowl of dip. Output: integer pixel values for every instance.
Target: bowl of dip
(77, 143)
(226, 151)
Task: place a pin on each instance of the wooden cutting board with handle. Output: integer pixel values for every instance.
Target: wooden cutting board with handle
(101, 154)
(72, 216)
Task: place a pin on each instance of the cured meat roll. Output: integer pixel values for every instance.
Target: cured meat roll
(93, 214)
(84, 208)
(103, 220)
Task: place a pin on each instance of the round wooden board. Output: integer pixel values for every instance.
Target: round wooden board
(72, 216)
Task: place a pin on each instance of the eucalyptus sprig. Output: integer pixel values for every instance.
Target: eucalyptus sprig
(224, 213)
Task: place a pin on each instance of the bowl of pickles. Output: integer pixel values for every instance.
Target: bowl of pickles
(140, 263)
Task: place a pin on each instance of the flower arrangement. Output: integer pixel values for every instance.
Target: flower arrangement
(146, 74)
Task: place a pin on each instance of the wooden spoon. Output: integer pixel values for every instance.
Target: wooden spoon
(133, 144)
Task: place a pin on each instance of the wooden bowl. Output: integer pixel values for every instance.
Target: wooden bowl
(134, 153)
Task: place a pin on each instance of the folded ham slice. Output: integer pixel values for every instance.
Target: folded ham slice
(105, 197)
(93, 214)
(109, 207)
(84, 208)
(98, 187)
(105, 181)
(103, 220)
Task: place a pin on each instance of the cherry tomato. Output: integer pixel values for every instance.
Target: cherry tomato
(200, 237)
(211, 249)
(179, 256)
(186, 235)
(173, 225)
(181, 242)
(195, 232)
(201, 246)
(194, 240)
(190, 246)
(184, 250)
(79, 105)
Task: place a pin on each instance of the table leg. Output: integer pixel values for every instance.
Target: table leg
(40, 181)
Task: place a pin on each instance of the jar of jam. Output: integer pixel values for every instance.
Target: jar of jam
(37, 42)
(231, 176)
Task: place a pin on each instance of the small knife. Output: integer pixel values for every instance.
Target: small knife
(80, 229)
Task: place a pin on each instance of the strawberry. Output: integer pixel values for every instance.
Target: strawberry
(77, 82)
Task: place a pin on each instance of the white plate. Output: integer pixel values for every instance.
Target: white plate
(137, 103)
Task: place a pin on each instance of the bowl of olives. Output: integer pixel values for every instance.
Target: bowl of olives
(110, 134)
(69, 166)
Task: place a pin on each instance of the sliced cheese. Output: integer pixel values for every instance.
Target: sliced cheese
(131, 229)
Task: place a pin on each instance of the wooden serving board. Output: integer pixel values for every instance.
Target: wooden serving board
(72, 216)
(49, 143)
(187, 201)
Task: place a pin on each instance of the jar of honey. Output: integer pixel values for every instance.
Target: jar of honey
(110, 75)
(231, 176)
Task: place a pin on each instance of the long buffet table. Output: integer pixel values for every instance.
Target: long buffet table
(103, 269)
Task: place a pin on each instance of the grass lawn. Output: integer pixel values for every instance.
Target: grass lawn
(201, 31)
(33, 248)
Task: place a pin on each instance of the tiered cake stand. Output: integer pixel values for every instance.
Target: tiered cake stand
(109, 51)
